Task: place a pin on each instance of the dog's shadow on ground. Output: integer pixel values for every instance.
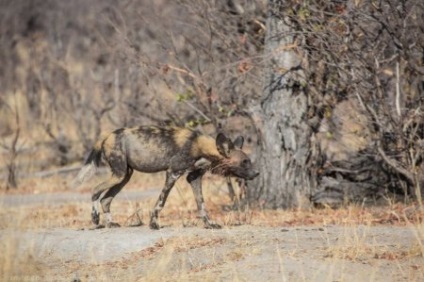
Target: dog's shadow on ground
(103, 226)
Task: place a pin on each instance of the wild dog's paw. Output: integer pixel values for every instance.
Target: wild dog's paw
(209, 224)
(97, 226)
(112, 225)
(154, 225)
(212, 225)
(95, 216)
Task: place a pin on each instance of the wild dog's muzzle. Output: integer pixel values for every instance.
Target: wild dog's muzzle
(252, 175)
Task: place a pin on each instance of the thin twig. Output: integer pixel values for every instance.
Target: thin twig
(197, 110)
(398, 90)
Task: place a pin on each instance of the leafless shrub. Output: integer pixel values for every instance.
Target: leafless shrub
(86, 67)
(371, 53)
(12, 149)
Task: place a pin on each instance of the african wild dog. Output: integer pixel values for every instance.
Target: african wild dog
(174, 150)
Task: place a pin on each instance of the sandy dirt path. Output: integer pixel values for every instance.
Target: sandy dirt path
(67, 197)
(243, 253)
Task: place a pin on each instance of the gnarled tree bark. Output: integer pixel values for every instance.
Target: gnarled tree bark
(281, 119)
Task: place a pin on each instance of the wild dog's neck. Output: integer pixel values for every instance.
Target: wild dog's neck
(205, 147)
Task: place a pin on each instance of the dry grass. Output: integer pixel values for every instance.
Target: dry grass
(365, 253)
(180, 209)
(217, 256)
(17, 267)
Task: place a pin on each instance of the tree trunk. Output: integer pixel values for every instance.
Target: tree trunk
(319, 146)
(281, 118)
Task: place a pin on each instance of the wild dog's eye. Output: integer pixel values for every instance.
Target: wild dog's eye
(245, 162)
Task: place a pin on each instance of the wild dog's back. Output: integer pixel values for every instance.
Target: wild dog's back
(148, 148)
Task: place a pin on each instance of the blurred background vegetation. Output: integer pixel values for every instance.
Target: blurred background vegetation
(71, 70)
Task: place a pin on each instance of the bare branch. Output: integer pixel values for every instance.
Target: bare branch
(395, 165)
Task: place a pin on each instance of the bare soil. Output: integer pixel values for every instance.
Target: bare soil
(349, 252)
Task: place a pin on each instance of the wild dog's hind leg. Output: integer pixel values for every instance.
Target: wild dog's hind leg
(195, 180)
(107, 197)
(118, 165)
(171, 178)
(98, 193)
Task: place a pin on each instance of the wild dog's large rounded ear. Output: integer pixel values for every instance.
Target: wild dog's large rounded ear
(224, 145)
(238, 142)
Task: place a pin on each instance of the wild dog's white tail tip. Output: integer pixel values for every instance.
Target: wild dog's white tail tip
(86, 172)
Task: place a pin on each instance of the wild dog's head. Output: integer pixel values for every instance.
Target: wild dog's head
(235, 161)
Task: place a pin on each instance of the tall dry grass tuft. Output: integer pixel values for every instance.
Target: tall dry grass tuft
(15, 265)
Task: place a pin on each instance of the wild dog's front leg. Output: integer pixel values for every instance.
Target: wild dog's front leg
(95, 214)
(233, 195)
(171, 178)
(195, 180)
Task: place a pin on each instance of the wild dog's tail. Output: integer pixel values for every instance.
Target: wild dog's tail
(90, 165)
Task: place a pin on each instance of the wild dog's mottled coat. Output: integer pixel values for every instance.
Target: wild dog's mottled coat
(174, 150)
